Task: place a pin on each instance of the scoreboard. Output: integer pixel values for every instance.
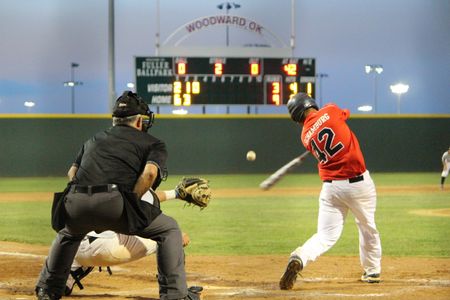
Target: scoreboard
(183, 81)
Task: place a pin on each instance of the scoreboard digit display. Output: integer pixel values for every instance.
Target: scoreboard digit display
(183, 81)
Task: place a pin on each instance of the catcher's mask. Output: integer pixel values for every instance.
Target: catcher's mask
(130, 104)
(298, 104)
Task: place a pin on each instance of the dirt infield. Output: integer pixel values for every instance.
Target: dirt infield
(237, 277)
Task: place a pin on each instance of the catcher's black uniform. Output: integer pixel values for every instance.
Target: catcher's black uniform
(101, 198)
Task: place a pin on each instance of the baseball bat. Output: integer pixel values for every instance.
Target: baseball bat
(281, 172)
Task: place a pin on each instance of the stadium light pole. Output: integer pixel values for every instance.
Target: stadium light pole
(72, 83)
(375, 70)
(111, 56)
(399, 89)
(321, 76)
(227, 6)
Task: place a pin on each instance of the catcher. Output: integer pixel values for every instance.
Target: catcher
(108, 248)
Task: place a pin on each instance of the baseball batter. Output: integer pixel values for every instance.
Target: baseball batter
(445, 166)
(347, 185)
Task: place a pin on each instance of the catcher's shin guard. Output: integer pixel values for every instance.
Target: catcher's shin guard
(290, 275)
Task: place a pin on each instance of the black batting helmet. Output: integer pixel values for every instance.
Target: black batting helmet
(298, 104)
(130, 104)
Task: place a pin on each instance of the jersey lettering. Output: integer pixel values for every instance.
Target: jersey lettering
(326, 135)
(320, 155)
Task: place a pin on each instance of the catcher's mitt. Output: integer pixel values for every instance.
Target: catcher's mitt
(194, 190)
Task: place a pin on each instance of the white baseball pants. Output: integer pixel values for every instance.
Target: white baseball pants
(336, 199)
(113, 249)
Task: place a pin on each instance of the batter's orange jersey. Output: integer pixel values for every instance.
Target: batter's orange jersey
(327, 136)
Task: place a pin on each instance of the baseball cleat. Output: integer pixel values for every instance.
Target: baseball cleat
(290, 275)
(371, 278)
(43, 294)
(194, 293)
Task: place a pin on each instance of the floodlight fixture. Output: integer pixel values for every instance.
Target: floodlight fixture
(399, 89)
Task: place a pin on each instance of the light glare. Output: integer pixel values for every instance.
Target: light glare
(180, 111)
(373, 69)
(399, 88)
(365, 108)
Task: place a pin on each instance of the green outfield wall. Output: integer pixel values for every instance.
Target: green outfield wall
(45, 145)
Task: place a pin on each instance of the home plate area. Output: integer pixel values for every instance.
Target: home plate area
(236, 277)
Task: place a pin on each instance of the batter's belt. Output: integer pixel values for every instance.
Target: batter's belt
(351, 180)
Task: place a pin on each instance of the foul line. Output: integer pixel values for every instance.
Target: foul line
(22, 254)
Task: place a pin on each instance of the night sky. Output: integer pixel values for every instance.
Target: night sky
(410, 38)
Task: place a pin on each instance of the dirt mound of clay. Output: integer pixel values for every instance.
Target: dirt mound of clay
(237, 277)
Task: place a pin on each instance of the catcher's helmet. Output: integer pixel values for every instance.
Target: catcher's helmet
(130, 104)
(298, 104)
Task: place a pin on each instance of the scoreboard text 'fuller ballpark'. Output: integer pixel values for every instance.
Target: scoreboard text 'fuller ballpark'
(182, 81)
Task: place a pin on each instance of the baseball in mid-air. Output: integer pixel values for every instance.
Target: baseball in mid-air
(251, 155)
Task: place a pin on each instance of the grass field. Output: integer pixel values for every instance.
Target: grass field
(241, 220)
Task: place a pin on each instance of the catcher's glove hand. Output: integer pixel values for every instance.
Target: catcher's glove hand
(194, 190)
